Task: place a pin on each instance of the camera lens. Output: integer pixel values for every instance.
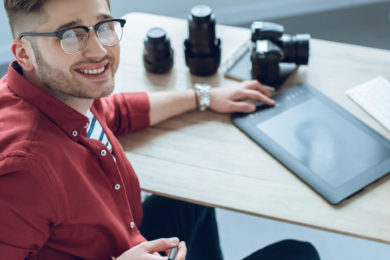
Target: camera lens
(158, 54)
(295, 48)
(202, 49)
(201, 30)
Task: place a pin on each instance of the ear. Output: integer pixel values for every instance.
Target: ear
(24, 54)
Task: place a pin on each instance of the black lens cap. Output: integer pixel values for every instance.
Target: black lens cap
(201, 13)
(156, 34)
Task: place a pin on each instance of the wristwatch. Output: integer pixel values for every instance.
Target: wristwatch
(204, 91)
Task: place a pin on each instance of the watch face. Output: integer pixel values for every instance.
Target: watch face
(202, 86)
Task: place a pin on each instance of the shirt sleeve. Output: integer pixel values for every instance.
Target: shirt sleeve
(126, 112)
(27, 208)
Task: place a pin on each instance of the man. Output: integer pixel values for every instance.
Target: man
(67, 190)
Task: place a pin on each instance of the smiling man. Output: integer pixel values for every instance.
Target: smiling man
(67, 190)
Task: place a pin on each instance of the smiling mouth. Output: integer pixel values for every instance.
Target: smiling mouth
(93, 73)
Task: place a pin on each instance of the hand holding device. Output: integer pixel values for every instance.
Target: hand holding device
(146, 249)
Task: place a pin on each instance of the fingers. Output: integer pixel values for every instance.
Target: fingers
(252, 89)
(161, 244)
(182, 251)
(232, 99)
(254, 84)
(242, 106)
(243, 94)
(256, 95)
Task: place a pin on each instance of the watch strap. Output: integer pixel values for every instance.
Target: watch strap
(204, 96)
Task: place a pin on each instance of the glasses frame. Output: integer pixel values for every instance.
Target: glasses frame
(60, 34)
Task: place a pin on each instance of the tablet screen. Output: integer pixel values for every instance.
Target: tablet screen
(324, 141)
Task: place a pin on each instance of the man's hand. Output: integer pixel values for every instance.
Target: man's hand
(166, 104)
(149, 250)
(232, 99)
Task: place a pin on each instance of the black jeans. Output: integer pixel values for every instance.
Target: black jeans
(197, 226)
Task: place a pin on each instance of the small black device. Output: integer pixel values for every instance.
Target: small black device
(202, 49)
(158, 54)
(272, 46)
(172, 253)
(318, 140)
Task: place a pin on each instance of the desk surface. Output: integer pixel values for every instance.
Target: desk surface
(203, 158)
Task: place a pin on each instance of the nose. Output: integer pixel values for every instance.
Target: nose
(94, 48)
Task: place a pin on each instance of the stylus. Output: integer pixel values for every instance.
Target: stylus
(172, 254)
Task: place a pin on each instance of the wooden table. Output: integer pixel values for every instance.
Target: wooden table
(203, 158)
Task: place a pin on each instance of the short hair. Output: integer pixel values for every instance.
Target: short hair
(20, 8)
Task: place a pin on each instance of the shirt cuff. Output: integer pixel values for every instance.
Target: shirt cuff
(138, 106)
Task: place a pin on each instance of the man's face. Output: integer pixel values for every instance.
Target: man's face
(88, 74)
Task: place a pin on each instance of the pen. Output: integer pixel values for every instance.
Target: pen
(172, 254)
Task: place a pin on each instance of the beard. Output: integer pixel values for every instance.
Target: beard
(64, 85)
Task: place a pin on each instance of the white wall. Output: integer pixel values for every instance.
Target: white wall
(5, 38)
(227, 11)
(235, 11)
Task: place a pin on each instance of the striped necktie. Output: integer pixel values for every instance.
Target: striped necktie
(95, 131)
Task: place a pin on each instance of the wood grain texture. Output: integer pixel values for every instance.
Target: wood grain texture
(203, 158)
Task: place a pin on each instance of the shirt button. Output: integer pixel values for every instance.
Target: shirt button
(132, 224)
(75, 133)
(103, 152)
(117, 186)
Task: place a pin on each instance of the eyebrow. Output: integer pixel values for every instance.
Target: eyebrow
(68, 24)
(104, 17)
(78, 22)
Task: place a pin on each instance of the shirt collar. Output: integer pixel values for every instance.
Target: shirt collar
(71, 121)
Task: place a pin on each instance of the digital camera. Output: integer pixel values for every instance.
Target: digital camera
(271, 46)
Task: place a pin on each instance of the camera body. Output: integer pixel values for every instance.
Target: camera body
(271, 47)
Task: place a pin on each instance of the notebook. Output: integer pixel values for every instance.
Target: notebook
(374, 97)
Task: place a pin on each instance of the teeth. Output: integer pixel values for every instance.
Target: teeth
(97, 71)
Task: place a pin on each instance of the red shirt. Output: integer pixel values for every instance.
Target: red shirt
(59, 192)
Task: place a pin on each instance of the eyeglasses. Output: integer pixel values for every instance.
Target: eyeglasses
(75, 39)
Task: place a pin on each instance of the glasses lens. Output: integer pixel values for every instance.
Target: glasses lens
(74, 40)
(110, 33)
